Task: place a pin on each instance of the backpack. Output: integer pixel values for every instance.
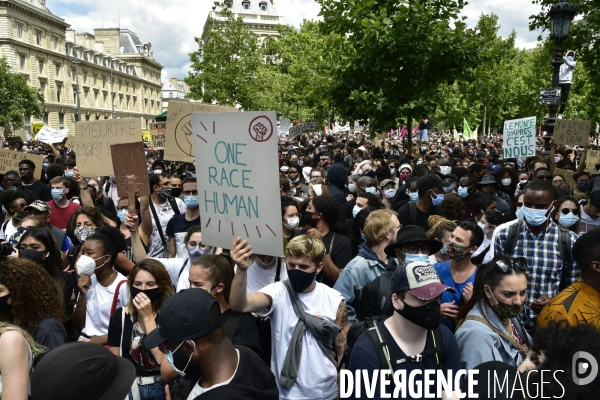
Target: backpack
(371, 327)
(564, 239)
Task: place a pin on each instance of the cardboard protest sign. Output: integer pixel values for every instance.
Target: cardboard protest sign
(571, 132)
(129, 165)
(179, 143)
(36, 126)
(236, 161)
(21, 133)
(93, 140)
(303, 128)
(519, 137)
(49, 135)
(592, 158)
(10, 159)
(568, 175)
(157, 131)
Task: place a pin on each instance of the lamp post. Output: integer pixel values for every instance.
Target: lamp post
(561, 15)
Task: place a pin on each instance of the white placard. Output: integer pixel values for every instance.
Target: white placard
(519, 137)
(49, 135)
(236, 161)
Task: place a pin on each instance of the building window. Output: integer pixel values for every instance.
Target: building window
(43, 88)
(41, 66)
(22, 62)
(73, 74)
(61, 120)
(84, 78)
(19, 31)
(55, 43)
(57, 69)
(85, 97)
(38, 38)
(263, 6)
(45, 118)
(171, 95)
(246, 5)
(58, 93)
(95, 99)
(95, 79)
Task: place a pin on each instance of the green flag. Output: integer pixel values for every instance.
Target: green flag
(467, 133)
(455, 133)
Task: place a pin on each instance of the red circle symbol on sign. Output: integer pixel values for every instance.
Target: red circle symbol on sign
(260, 129)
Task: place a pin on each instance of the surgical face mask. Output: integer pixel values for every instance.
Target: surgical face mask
(295, 180)
(445, 169)
(352, 187)
(292, 223)
(506, 182)
(419, 162)
(505, 310)
(535, 217)
(414, 196)
(284, 169)
(87, 265)
(83, 232)
(165, 193)
(438, 199)
(157, 171)
(122, 214)
(523, 181)
(355, 210)
(371, 190)
(392, 170)
(169, 357)
(195, 252)
(300, 280)
(408, 258)
(482, 226)
(191, 201)
(463, 191)
(69, 174)
(556, 159)
(570, 58)
(45, 165)
(519, 213)
(449, 188)
(568, 220)
(389, 193)
(259, 261)
(57, 194)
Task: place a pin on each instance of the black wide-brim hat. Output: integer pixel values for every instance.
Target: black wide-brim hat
(413, 234)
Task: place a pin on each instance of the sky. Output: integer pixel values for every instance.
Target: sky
(171, 25)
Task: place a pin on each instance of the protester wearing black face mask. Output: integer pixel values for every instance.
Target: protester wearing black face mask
(412, 330)
(149, 286)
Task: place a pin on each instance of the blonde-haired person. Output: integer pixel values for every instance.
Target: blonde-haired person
(318, 189)
(312, 373)
(441, 229)
(17, 352)
(380, 230)
(149, 285)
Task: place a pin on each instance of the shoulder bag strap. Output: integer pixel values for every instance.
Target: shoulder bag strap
(381, 345)
(278, 270)
(413, 212)
(122, 331)
(116, 297)
(511, 240)
(156, 220)
(498, 331)
(183, 267)
(174, 205)
(231, 324)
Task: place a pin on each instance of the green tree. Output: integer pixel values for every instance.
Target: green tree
(394, 57)
(224, 67)
(18, 99)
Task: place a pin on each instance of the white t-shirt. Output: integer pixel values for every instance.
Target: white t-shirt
(173, 266)
(99, 303)
(486, 243)
(198, 390)
(9, 230)
(587, 223)
(164, 213)
(258, 278)
(317, 376)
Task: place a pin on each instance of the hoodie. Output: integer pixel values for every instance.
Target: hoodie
(359, 272)
(337, 176)
(566, 69)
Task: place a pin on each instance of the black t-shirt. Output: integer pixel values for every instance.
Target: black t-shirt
(69, 286)
(50, 333)
(40, 190)
(116, 331)
(364, 356)
(421, 217)
(246, 333)
(179, 224)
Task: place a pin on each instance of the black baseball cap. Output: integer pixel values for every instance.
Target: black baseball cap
(81, 370)
(430, 181)
(185, 315)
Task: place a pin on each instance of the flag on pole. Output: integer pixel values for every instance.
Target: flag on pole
(467, 133)
(455, 134)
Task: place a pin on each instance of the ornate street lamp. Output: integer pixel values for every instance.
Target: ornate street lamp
(561, 16)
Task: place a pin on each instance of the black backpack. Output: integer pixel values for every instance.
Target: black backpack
(370, 326)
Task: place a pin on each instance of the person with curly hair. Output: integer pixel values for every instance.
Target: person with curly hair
(28, 299)
(441, 229)
(452, 207)
(102, 287)
(14, 202)
(17, 352)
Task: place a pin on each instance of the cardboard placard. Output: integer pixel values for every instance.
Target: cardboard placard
(129, 165)
(571, 132)
(10, 159)
(93, 140)
(14, 140)
(158, 131)
(239, 190)
(591, 159)
(519, 137)
(21, 133)
(1, 131)
(179, 142)
(303, 128)
(568, 175)
(49, 135)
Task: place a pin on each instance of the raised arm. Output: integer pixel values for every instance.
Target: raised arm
(239, 300)
(137, 248)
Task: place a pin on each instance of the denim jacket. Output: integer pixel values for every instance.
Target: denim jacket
(359, 272)
(478, 343)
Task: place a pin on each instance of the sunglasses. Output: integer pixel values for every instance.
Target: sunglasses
(565, 211)
(508, 265)
(415, 249)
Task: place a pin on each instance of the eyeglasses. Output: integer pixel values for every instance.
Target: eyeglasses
(565, 211)
(540, 177)
(508, 265)
(415, 249)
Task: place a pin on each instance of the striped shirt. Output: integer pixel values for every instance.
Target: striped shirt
(548, 272)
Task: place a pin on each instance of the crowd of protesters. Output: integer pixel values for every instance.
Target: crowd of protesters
(447, 257)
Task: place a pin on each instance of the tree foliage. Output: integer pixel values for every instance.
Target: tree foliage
(18, 99)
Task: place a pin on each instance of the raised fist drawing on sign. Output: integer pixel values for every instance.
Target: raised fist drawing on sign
(260, 130)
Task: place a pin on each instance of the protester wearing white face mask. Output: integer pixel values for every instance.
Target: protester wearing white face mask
(488, 223)
(388, 188)
(289, 215)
